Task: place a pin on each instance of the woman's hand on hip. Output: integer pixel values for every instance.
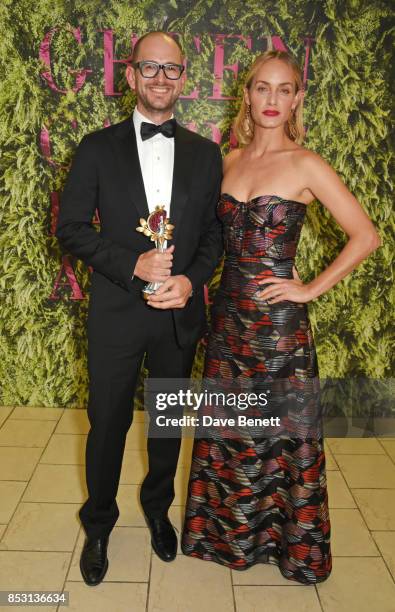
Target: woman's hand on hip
(291, 289)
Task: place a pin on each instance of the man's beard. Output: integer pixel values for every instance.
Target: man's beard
(160, 105)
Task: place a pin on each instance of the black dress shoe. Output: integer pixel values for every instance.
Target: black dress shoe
(163, 537)
(93, 561)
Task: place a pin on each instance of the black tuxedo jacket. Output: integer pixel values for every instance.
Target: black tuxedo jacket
(105, 174)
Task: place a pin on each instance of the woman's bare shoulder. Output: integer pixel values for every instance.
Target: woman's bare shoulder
(305, 156)
(231, 157)
(307, 161)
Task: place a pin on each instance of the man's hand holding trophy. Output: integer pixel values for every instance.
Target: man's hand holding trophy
(158, 228)
(165, 291)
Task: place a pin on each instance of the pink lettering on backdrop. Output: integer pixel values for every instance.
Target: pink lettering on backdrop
(55, 203)
(67, 269)
(275, 42)
(45, 56)
(220, 66)
(233, 144)
(45, 146)
(191, 126)
(109, 61)
(195, 93)
(216, 135)
(54, 211)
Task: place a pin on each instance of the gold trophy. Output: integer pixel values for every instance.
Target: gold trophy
(159, 229)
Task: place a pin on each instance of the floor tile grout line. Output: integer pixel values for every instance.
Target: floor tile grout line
(46, 550)
(371, 488)
(233, 591)
(68, 433)
(335, 454)
(112, 581)
(35, 501)
(62, 464)
(369, 530)
(363, 519)
(386, 452)
(286, 586)
(7, 417)
(291, 586)
(71, 559)
(358, 556)
(24, 419)
(29, 480)
(361, 514)
(332, 457)
(318, 596)
(149, 581)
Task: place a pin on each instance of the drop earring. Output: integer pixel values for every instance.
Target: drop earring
(247, 120)
(292, 130)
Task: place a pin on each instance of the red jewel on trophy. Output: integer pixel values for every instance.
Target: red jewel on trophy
(159, 229)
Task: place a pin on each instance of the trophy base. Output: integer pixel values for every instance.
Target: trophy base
(147, 294)
(150, 289)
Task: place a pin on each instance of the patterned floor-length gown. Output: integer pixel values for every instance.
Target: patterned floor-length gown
(261, 498)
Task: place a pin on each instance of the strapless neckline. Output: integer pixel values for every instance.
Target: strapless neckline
(263, 196)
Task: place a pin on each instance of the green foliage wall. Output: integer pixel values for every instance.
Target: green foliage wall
(43, 343)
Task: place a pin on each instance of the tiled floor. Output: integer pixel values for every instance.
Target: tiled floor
(42, 486)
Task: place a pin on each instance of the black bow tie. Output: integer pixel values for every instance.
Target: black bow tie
(168, 129)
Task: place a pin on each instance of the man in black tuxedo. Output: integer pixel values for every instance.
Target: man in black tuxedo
(125, 171)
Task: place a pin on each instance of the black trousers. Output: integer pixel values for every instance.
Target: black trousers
(113, 374)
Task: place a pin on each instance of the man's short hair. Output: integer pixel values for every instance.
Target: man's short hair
(140, 40)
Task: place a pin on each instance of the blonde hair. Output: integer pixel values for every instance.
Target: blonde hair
(243, 125)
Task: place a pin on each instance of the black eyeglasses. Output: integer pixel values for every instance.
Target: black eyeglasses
(149, 70)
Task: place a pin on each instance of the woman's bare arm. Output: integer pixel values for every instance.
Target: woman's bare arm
(329, 189)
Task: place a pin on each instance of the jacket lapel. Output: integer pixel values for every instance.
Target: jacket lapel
(129, 164)
(184, 154)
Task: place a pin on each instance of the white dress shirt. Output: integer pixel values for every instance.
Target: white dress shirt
(156, 155)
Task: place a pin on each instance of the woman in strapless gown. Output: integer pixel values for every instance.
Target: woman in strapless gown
(259, 495)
